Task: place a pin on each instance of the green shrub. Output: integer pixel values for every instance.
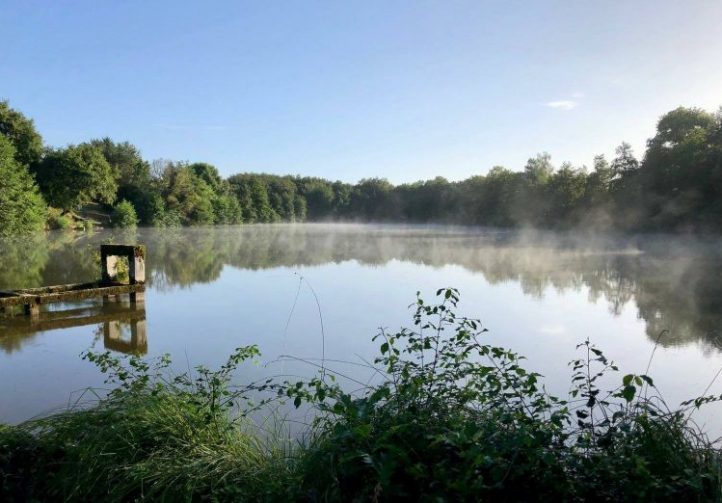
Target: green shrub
(124, 215)
(456, 419)
(57, 220)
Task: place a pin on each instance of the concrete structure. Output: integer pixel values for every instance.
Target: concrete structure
(109, 288)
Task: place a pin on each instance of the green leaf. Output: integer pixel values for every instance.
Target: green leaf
(628, 392)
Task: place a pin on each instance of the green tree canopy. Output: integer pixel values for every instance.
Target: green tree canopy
(624, 162)
(253, 194)
(566, 191)
(373, 199)
(681, 173)
(539, 169)
(208, 173)
(319, 196)
(22, 208)
(188, 195)
(133, 175)
(76, 175)
(129, 167)
(22, 134)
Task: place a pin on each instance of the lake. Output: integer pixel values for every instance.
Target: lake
(306, 291)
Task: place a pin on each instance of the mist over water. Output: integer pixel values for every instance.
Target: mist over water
(213, 289)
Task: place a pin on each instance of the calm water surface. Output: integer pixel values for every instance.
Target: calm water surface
(211, 290)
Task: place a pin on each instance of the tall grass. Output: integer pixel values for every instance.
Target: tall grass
(452, 419)
(151, 438)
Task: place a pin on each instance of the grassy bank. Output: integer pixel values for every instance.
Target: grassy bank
(451, 418)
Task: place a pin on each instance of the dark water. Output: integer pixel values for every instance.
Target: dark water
(211, 290)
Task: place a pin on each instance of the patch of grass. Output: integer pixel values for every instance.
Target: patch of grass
(452, 418)
(149, 439)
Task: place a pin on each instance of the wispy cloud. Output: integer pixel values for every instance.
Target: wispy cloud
(562, 104)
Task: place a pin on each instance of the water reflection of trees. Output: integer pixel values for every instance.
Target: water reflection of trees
(675, 285)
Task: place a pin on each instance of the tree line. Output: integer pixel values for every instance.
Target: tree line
(676, 185)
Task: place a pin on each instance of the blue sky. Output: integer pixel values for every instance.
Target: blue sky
(347, 90)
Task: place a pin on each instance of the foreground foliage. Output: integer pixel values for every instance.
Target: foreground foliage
(460, 419)
(450, 418)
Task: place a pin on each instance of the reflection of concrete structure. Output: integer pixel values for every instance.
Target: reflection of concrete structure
(108, 287)
(113, 336)
(124, 326)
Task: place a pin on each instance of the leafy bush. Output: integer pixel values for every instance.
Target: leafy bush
(124, 215)
(56, 219)
(458, 419)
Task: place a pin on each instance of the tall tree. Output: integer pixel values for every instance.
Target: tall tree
(76, 175)
(226, 207)
(532, 204)
(566, 193)
(539, 169)
(22, 208)
(373, 199)
(188, 195)
(124, 158)
(680, 170)
(282, 196)
(133, 175)
(319, 197)
(624, 162)
(252, 193)
(598, 182)
(208, 173)
(21, 132)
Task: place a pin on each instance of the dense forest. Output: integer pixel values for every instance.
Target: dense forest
(675, 186)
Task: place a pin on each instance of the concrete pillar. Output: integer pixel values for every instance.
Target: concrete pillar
(137, 298)
(139, 336)
(32, 310)
(111, 330)
(109, 267)
(136, 266)
(109, 299)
